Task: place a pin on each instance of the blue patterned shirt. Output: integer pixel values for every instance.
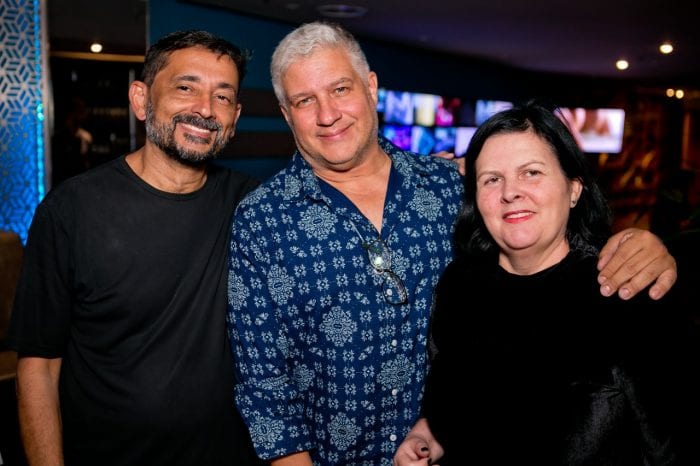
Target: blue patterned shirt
(325, 362)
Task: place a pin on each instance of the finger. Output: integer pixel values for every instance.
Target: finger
(663, 284)
(627, 262)
(660, 269)
(424, 451)
(629, 278)
(614, 242)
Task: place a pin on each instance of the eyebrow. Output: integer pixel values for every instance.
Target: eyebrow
(519, 167)
(197, 79)
(335, 83)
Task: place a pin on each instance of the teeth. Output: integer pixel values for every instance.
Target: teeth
(519, 215)
(197, 128)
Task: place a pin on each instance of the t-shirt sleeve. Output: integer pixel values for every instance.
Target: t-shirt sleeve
(42, 302)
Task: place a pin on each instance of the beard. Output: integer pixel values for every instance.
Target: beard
(163, 136)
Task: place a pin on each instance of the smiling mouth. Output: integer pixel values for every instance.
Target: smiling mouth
(196, 130)
(335, 133)
(518, 215)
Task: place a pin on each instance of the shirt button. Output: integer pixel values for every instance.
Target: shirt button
(392, 437)
(394, 343)
(394, 391)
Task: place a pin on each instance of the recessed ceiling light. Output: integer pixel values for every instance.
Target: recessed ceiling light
(666, 48)
(340, 10)
(622, 64)
(95, 47)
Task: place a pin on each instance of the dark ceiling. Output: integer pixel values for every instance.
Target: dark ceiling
(582, 38)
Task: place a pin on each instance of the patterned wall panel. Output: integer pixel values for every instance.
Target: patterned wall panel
(22, 129)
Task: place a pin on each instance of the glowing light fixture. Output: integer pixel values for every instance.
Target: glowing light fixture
(666, 48)
(622, 64)
(95, 47)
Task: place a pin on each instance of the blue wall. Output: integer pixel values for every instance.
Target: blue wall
(22, 131)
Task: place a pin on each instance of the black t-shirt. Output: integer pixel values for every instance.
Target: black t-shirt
(128, 285)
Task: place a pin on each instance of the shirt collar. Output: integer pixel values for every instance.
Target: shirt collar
(411, 171)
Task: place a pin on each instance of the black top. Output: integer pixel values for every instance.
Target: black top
(128, 285)
(553, 372)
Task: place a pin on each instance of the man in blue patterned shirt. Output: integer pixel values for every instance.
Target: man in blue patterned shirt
(332, 268)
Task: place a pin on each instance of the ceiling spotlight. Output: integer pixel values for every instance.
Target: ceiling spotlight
(679, 93)
(622, 64)
(340, 10)
(666, 48)
(95, 47)
(670, 92)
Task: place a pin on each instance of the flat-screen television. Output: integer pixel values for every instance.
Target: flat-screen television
(430, 123)
(597, 130)
(426, 123)
(486, 108)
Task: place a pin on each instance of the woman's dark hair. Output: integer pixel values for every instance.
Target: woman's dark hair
(157, 55)
(589, 224)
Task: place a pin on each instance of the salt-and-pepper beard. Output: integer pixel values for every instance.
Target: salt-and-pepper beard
(163, 136)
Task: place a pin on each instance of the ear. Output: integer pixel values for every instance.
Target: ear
(237, 115)
(373, 84)
(138, 98)
(285, 114)
(576, 190)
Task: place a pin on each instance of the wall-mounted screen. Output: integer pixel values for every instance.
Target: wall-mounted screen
(597, 130)
(486, 108)
(428, 123)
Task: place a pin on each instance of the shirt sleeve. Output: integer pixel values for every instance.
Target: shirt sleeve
(43, 299)
(266, 394)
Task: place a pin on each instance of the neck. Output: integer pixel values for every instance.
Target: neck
(534, 259)
(165, 174)
(364, 185)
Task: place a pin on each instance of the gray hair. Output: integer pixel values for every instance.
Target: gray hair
(303, 41)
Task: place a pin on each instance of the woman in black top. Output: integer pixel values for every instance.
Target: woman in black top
(554, 372)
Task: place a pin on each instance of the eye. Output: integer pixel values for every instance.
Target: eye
(342, 90)
(184, 88)
(531, 173)
(224, 99)
(303, 102)
(490, 180)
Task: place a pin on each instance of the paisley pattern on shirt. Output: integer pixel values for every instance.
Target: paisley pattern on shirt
(325, 363)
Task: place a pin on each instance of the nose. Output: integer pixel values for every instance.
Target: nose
(511, 191)
(328, 112)
(202, 106)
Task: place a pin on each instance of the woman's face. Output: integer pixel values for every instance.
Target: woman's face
(524, 197)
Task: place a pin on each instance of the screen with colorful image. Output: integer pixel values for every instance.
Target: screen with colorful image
(597, 130)
(425, 123)
(486, 108)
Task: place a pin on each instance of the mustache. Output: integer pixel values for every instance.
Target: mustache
(194, 120)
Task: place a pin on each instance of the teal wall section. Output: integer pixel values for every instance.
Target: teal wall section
(22, 112)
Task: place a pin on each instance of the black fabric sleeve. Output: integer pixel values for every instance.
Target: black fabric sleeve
(42, 303)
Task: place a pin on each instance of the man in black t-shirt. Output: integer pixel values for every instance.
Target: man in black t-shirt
(118, 318)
